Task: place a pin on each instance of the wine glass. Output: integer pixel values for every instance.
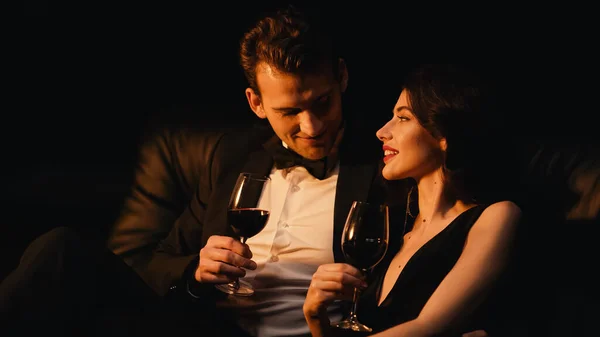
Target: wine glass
(247, 215)
(364, 243)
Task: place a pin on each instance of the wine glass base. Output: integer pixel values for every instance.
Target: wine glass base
(244, 289)
(351, 324)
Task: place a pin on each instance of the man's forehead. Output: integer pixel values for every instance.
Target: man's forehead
(296, 99)
(290, 89)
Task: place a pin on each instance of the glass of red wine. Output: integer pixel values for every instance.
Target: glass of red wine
(364, 243)
(247, 215)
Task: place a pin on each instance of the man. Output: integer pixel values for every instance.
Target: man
(317, 162)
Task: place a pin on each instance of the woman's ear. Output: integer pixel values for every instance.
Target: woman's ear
(255, 103)
(443, 145)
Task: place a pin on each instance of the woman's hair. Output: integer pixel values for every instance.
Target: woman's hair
(458, 103)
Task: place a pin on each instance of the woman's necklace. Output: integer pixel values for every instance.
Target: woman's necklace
(409, 213)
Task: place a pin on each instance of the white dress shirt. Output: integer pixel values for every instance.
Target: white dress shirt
(296, 240)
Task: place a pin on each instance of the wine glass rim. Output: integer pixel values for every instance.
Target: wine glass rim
(255, 176)
(359, 202)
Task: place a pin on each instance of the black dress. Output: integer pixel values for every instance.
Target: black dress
(420, 277)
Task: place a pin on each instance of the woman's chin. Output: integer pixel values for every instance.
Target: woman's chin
(387, 175)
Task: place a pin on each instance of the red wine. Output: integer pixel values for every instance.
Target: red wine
(366, 253)
(247, 222)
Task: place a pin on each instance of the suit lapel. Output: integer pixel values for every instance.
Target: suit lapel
(354, 182)
(258, 162)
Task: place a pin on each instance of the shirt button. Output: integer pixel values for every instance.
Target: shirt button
(295, 188)
(274, 258)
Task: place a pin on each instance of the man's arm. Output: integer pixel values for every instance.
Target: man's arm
(172, 182)
(176, 256)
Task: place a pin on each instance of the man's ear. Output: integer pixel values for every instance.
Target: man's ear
(343, 73)
(255, 103)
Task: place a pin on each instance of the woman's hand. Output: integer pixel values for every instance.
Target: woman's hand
(335, 281)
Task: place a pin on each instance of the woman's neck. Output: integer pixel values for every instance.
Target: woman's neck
(434, 201)
(431, 198)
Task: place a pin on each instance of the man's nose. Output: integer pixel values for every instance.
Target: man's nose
(311, 124)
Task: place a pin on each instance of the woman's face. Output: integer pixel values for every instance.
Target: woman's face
(410, 151)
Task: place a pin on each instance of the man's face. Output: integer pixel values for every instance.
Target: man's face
(304, 111)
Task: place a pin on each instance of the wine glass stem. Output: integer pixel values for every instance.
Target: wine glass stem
(354, 304)
(235, 284)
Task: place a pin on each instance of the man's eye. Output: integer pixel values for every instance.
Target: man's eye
(291, 112)
(323, 100)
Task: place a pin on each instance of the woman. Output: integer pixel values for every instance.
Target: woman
(450, 263)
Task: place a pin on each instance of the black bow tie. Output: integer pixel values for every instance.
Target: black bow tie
(285, 158)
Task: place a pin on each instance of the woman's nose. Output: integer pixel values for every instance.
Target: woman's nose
(383, 134)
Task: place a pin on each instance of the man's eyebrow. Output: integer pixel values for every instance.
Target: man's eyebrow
(327, 93)
(285, 109)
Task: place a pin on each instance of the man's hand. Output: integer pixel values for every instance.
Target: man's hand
(222, 260)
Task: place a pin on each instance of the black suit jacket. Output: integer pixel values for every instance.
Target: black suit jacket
(239, 151)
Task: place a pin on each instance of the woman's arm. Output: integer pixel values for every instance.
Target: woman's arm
(484, 257)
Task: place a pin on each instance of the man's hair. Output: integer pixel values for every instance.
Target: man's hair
(289, 40)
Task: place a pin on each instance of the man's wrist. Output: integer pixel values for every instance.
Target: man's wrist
(193, 288)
